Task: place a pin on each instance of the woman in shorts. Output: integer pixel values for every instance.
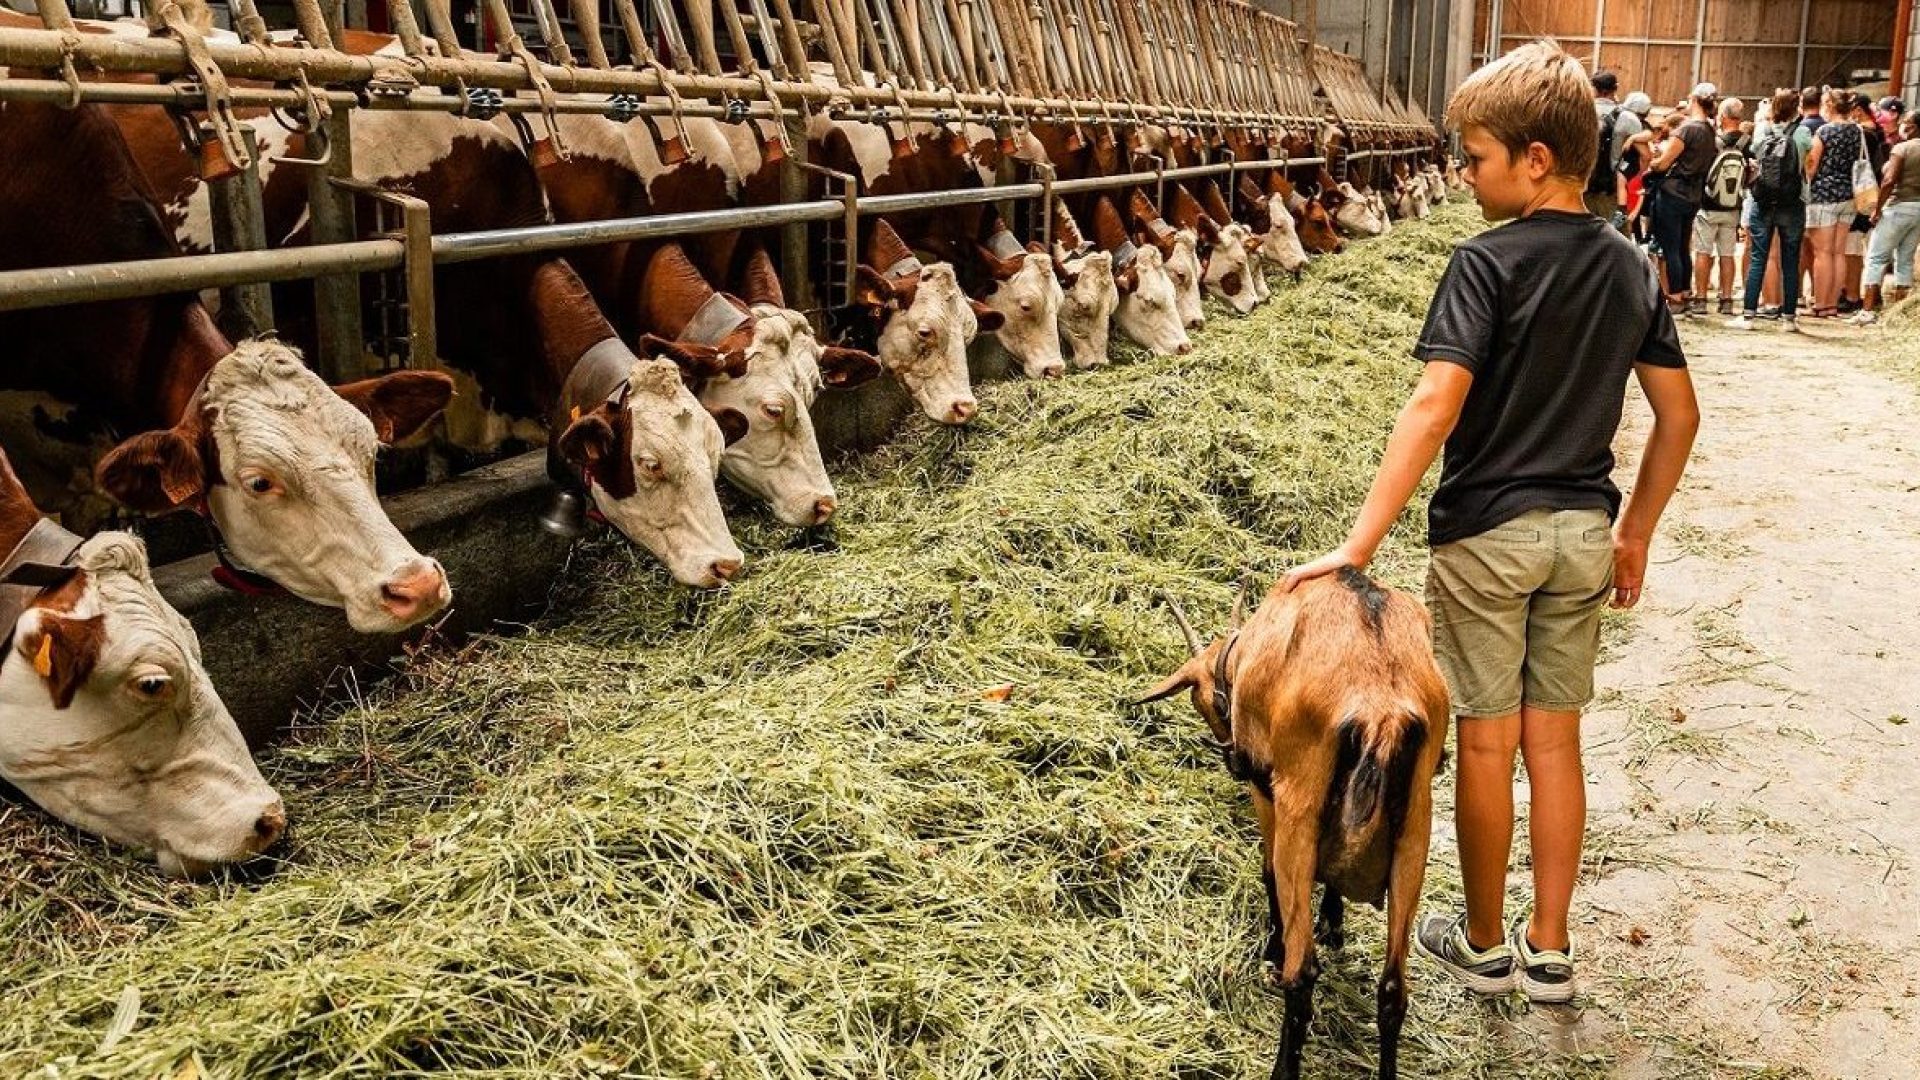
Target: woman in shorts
(1836, 146)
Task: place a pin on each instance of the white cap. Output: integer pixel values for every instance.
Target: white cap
(1638, 102)
(1706, 91)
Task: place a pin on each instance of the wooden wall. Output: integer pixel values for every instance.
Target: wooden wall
(1746, 47)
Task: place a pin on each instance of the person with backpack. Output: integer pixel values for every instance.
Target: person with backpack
(1830, 205)
(1716, 231)
(1684, 160)
(1776, 212)
(1618, 123)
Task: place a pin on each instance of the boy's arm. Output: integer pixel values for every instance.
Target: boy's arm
(1676, 418)
(1424, 424)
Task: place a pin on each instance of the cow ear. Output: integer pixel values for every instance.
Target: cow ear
(701, 361)
(399, 403)
(1127, 280)
(733, 424)
(1252, 243)
(1208, 230)
(589, 440)
(154, 472)
(61, 650)
(871, 287)
(989, 319)
(997, 268)
(846, 368)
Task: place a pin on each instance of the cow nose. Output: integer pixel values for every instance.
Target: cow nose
(724, 569)
(1053, 371)
(410, 591)
(271, 826)
(823, 508)
(962, 411)
(1183, 348)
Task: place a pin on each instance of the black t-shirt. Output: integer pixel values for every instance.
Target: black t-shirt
(1687, 176)
(1550, 313)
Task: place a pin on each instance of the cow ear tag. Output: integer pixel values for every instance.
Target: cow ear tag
(43, 659)
(574, 416)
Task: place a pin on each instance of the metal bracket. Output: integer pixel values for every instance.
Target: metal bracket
(672, 151)
(312, 124)
(416, 238)
(213, 82)
(776, 148)
(850, 221)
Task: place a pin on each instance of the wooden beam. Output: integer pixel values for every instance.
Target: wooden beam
(1800, 60)
(1902, 33)
(1700, 35)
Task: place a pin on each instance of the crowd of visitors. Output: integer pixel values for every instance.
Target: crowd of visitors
(1814, 198)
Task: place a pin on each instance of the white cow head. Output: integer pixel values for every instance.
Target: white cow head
(1087, 305)
(925, 323)
(112, 725)
(1436, 184)
(772, 451)
(1149, 312)
(284, 465)
(1357, 216)
(1413, 199)
(651, 454)
(1230, 270)
(1027, 296)
(1181, 266)
(1282, 246)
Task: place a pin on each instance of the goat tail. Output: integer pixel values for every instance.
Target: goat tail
(1381, 772)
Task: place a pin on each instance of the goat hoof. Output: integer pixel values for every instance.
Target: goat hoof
(1330, 937)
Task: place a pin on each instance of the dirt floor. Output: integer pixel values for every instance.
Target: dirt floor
(1752, 905)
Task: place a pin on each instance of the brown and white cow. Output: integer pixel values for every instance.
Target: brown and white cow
(1359, 214)
(1148, 312)
(214, 424)
(1089, 294)
(919, 323)
(1179, 250)
(1233, 269)
(1271, 219)
(1028, 295)
(107, 718)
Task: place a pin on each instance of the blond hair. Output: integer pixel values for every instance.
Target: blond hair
(1535, 94)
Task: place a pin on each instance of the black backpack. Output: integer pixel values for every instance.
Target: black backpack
(1776, 181)
(1600, 181)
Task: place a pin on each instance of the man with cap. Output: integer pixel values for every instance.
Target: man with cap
(1887, 113)
(1685, 160)
(1603, 197)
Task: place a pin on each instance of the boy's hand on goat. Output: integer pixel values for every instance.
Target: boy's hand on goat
(1326, 564)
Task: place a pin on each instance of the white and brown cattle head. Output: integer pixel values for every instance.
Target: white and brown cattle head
(1281, 246)
(1355, 214)
(1028, 296)
(1436, 184)
(757, 367)
(650, 454)
(283, 464)
(1231, 272)
(1413, 202)
(107, 718)
(1148, 312)
(1179, 255)
(1089, 294)
(921, 322)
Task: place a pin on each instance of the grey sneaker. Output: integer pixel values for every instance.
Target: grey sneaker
(1444, 937)
(1545, 975)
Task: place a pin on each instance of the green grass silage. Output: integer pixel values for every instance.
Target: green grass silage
(789, 829)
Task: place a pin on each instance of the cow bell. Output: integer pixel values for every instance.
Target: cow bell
(566, 516)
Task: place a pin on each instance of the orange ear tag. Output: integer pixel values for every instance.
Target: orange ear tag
(574, 416)
(43, 659)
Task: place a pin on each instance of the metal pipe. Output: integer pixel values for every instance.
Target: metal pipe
(466, 247)
(942, 200)
(53, 285)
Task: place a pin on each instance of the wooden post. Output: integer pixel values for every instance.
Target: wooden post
(336, 299)
(1700, 41)
(1599, 29)
(1902, 35)
(240, 225)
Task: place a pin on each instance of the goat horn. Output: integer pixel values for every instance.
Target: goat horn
(1240, 600)
(1186, 628)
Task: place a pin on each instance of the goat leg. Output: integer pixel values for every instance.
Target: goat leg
(1391, 1012)
(1299, 1016)
(1330, 929)
(1276, 951)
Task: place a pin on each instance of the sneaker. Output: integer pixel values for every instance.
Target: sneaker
(1790, 326)
(1444, 937)
(1740, 322)
(1545, 975)
(1697, 308)
(1726, 305)
(1769, 311)
(1864, 317)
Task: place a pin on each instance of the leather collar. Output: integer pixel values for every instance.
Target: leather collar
(42, 560)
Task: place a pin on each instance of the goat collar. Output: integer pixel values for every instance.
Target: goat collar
(1223, 688)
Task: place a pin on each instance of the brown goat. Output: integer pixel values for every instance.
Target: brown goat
(1329, 706)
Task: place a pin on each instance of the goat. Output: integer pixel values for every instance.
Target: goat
(1329, 706)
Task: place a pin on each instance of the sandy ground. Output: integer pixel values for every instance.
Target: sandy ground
(1752, 903)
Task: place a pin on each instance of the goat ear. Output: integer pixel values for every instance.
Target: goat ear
(400, 403)
(154, 472)
(1186, 678)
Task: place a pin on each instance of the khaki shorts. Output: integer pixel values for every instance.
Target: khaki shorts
(1714, 232)
(1516, 611)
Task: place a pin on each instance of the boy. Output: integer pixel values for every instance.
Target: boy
(1527, 347)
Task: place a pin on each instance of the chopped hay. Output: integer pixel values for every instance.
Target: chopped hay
(800, 827)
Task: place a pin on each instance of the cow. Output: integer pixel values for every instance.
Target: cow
(107, 718)
(1179, 251)
(1234, 273)
(918, 322)
(1028, 295)
(1436, 184)
(1355, 213)
(1148, 312)
(523, 339)
(766, 370)
(1089, 294)
(213, 425)
(1328, 705)
(1272, 221)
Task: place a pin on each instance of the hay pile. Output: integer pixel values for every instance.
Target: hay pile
(868, 813)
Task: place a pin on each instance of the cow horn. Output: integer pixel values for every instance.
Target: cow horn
(1186, 628)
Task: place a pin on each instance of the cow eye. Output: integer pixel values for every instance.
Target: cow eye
(259, 481)
(1026, 306)
(652, 468)
(152, 684)
(774, 410)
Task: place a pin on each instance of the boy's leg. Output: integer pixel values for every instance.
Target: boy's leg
(1556, 818)
(1483, 820)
